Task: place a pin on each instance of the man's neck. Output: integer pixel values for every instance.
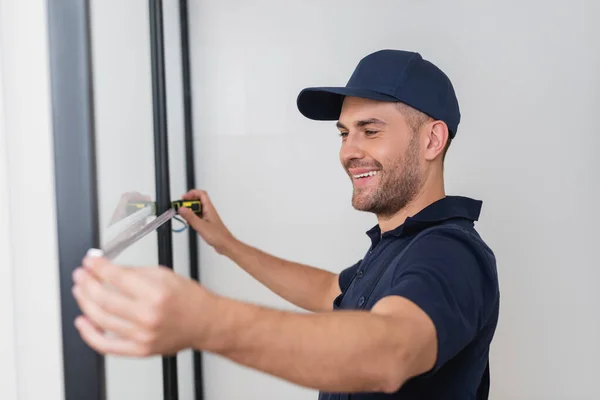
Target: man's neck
(420, 201)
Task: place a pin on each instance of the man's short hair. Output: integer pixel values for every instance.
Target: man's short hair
(415, 120)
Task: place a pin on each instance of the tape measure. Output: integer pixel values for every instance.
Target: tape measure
(194, 205)
(132, 228)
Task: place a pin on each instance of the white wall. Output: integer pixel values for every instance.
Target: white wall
(125, 156)
(8, 375)
(526, 74)
(528, 89)
(30, 341)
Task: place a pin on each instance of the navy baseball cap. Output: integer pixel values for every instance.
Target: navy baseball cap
(388, 75)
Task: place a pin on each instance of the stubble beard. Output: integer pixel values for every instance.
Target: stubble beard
(398, 185)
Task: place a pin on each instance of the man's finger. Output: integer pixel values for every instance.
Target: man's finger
(191, 218)
(99, 317)
(104, 344)
(100, 301)
(194, 194)
(126, 280)
(202, 195)
(154, 274)
(94, 259)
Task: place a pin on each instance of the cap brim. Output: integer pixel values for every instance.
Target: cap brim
(325, 103)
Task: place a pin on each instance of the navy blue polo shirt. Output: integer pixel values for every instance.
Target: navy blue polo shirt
(437, 260)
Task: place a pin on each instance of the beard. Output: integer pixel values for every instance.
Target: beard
(398, 184)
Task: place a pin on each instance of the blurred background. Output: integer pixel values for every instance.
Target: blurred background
(526, 76)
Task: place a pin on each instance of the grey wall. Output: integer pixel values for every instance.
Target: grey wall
(526, 74)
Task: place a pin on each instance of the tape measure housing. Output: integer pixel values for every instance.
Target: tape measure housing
(194, 205)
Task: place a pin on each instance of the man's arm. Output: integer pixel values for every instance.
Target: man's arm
(342, 351)
(442, 290)
(305, 286)
(308, 287)
(446, 293)
(148, 311)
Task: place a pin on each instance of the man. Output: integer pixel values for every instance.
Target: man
(413, 319)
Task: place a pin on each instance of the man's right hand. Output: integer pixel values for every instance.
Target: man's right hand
(209, 226)
(307, 287)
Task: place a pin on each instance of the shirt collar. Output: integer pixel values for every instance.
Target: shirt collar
(438, 211)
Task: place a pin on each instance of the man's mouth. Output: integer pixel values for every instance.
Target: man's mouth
(365, 175)
(362, 177)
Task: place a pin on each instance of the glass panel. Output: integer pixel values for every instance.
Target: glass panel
(125, 160)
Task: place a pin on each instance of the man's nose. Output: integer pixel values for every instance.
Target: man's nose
(351, 149)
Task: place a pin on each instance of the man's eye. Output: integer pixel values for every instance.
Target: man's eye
(343, 134)
(369, 133)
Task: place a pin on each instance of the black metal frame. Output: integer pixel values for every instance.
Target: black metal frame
(190, 170)
(75, 180)
(75, 174)
(161, 161)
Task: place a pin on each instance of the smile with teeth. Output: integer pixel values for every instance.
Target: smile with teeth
(365, 175)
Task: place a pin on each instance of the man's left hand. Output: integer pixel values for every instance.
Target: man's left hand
(147, 310)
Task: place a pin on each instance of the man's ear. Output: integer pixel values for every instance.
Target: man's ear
(437, 136)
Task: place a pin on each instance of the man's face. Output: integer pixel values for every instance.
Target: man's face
(381, 154)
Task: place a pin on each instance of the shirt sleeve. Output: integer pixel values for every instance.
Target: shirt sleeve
(444, 274)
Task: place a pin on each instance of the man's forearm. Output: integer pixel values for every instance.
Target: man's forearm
(335, 351)
(307, 287)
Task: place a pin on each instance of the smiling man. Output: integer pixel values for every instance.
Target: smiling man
(413, 319)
